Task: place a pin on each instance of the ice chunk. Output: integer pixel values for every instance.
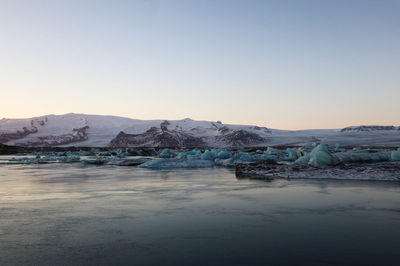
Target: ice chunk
(84, 153)
(176, 163)
(303, 160)
(104, 153)
(209, 155)
(148, 152)
(69, 159)
(395, 155)
(167, 153)
(338, 149)
(259, 157)
(274, 151)
(244, 157)
(293, 154)
(241, 157)
(224, 154)
(320, 156)
(194, 152)
(189, 155)
(131, 152)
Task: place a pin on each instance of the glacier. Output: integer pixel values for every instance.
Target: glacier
(83, 130)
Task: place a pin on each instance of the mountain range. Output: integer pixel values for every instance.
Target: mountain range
(113, 131)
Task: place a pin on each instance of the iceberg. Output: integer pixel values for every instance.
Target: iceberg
(176, 163)
(395, 155)
(84, 153)
(209, 155)
(167, 153)
(244, 157)
(263, 157)
(293, 154)
(131, 152)
(224, 154)
(274, 151)
(189, 155)
(303, 160)
(69, 159)
(320, 156)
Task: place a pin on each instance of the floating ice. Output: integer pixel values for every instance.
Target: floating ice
(260, 157)
(321, 156)
(209, 155)
(338, 149)
(131, 152)
(303, 160)
(148, 152)
(176, 163)
(244, 157)
(167, 153)
(224, 154)
(84, 153)
(293, 154)
(274, 151)
(190, 155)
(395, 155)
(69, 159)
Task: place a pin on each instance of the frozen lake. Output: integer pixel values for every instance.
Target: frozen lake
(71, 214)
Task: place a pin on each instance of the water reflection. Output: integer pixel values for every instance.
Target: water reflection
(72, 214)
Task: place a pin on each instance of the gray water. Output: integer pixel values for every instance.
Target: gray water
(70, 214)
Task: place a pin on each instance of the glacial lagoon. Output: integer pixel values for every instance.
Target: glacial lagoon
(77, 214)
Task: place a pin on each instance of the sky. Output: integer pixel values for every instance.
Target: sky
(280, 64)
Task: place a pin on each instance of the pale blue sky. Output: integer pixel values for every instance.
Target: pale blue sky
(280, 64)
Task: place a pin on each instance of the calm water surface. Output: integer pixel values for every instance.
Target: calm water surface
(70, 214)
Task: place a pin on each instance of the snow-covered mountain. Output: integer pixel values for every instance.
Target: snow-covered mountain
(100, 131)
(190, 133)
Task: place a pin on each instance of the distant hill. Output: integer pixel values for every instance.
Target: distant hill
(369, 128)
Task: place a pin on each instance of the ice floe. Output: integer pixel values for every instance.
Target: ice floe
(312, 156)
